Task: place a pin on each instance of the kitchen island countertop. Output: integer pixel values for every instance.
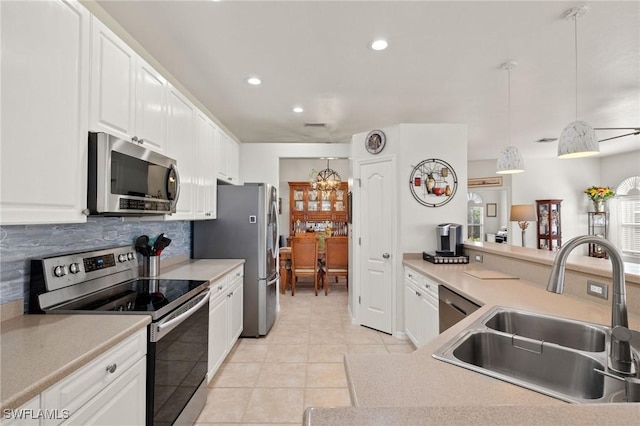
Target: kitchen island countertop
(418, 389)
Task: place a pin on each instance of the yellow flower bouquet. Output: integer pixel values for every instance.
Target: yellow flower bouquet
(599, 193)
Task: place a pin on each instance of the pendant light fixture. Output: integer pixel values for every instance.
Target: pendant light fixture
(578, 139)
(327, 180)
(509, 161)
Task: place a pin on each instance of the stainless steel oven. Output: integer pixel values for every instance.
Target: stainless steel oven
(106, 282)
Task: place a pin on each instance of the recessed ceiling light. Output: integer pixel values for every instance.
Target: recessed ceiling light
(254, 81)
(379, 44)
(298, 109)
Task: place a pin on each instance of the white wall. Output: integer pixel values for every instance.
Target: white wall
(260, 162)
(616, 168)
(553, 178)
(415, 225)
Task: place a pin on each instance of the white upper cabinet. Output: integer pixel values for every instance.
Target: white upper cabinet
(207, 134)
(113, 83)
(228, 159)
(128, 96)
(45, 84)
(151, 106)
(181, 146)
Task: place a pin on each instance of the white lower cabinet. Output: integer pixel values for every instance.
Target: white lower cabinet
(421, 307)
(225, 317)
(110, 390)
(23, 415)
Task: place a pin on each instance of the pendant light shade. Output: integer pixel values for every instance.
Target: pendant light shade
(578, 139)
(510, 161)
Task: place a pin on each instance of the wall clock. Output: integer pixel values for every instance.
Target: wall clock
(433, 182)
(374, 142)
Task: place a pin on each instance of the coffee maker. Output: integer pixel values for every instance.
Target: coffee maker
(449, 236)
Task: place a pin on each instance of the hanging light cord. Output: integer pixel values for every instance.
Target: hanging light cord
(575, 21)
(509, 100)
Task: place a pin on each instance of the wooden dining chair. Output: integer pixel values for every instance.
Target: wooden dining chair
(336, 262)
(304, 261)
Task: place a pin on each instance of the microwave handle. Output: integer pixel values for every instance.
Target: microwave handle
(175, 170)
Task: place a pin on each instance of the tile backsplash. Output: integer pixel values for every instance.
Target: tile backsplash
(20, 243)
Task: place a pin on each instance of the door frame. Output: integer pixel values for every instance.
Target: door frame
(396, 259)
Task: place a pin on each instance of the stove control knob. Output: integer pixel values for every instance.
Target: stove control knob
(60, 271)
(74, 268)
(130, 256)
(122, 258)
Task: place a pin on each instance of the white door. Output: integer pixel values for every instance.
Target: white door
(377, 205)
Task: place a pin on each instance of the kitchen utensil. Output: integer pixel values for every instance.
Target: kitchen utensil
(142, 245)
(161, 242)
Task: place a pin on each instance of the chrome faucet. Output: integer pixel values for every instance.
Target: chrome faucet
(620, 355)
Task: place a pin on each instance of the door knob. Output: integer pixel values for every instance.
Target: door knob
(386, 255)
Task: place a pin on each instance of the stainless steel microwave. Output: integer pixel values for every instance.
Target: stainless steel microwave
(126, 179)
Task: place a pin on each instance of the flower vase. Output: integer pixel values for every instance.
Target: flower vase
(598, 206)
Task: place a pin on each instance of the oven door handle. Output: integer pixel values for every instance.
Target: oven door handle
(183, 316)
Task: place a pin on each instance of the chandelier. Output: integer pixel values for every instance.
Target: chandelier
(326, 180)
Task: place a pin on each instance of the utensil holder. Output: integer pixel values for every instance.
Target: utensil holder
(151, 266)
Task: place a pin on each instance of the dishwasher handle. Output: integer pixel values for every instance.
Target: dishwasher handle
(456, 307)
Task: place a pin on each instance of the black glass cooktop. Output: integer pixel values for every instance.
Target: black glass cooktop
(142, 295)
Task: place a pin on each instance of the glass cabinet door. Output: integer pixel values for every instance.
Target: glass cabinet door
(298, 198)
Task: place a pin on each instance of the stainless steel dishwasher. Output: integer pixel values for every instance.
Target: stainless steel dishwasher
(453, 307)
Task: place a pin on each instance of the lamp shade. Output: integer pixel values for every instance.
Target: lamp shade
(523, 213)
(510, 161)
(578, 139)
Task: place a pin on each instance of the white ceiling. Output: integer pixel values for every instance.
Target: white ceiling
(442, 66)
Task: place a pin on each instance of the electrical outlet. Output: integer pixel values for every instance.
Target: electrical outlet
(598, 289)
(479, 258)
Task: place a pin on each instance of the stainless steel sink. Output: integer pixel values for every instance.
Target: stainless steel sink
(551, 355)
(564, 332)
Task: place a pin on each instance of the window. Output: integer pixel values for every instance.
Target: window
(628, 196)
(475, 217)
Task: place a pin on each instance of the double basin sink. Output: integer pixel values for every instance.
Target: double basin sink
(555, 356)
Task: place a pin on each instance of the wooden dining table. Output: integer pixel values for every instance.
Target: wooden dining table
(285, 266)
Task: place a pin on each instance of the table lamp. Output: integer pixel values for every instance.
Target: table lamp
(523, 214)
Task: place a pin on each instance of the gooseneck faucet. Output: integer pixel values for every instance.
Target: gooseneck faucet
(620, 356)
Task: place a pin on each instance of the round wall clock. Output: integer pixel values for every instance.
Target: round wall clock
(433, 182)
(374, 142)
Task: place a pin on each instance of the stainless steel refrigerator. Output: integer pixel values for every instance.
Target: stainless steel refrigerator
(246, 228)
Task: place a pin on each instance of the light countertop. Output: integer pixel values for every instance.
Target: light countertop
(400, 386)
(38, 351)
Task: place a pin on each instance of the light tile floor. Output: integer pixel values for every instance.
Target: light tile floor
(299, 364)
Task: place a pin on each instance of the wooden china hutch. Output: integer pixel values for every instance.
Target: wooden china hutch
(309, 206)
(549, 224)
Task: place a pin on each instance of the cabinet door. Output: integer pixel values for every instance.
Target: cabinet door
(180, 146)
(113, 79)
(235, 311)
(44, 104)
(151, 106)
(228, 159)
(206, 184)
(217, 334)
(429, 318)
(411, 313)
(123, 402)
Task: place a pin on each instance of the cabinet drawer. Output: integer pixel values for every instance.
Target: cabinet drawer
(218, 287)
(411, 275)
(236, 274)
(74, 391)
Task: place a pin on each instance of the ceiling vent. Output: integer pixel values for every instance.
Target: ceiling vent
(315, 124)
(546, 140)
